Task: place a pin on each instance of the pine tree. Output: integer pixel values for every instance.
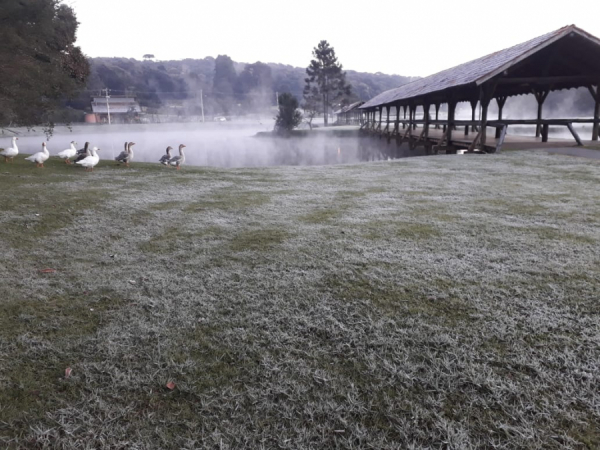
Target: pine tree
(288, 116)
(326, 74)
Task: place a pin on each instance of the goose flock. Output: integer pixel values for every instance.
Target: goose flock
(88, 157)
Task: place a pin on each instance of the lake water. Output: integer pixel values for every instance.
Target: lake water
(229, 144)
(207, 144)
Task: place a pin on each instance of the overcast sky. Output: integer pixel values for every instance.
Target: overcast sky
(389, 36)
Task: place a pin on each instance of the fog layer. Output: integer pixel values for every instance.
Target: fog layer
(207, 144)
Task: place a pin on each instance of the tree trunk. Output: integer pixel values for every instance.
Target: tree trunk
(325, 109)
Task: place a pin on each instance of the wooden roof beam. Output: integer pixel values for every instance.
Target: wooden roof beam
(583, 80)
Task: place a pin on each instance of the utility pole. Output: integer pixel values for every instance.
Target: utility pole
(277, 99)
(106, 91)
(202, 104)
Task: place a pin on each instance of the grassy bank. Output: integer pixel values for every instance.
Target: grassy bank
(429, 302)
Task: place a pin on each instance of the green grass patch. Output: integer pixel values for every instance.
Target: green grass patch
(322, 215)
(35, 385)
(174, 239)
(230, 200)
(258, 240)
(395, 229)
(438, 300)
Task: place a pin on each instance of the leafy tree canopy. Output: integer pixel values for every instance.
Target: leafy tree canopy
(255, 87)
(224, 82)
(39, 63)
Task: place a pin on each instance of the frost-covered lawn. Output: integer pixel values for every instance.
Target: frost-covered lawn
(441, 302)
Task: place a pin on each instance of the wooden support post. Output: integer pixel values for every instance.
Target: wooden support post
(473, 112)
(545, 129)
(475, 141)
(486, 94)
(473, 104)
(437, 111)
(574, 133)
(451, 114)
(501, 101)
(426, 118)
(397, 121)
(540, 96)
(539, 118)
(484, 111)
(596, 126)
(596, 95)
(415, 118)
(380, 114)
(387, 125)
(501, 138)
(387, 119)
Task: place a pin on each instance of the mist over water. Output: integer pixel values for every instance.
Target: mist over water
(234, 144)
(226, 144)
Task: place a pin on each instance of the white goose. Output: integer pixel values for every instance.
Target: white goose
(90, 161)
(178, 161)
(40, 157)
(11, 152)
(68, 153)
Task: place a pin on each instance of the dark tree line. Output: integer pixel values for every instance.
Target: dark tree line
(228, 87)
(40, 66)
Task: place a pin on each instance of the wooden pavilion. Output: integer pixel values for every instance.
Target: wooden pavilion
(350, 115)
(564, 59)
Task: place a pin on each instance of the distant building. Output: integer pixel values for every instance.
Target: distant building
(122, 109)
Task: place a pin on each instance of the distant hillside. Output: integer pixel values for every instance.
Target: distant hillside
(174, 88)
(245, 88)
